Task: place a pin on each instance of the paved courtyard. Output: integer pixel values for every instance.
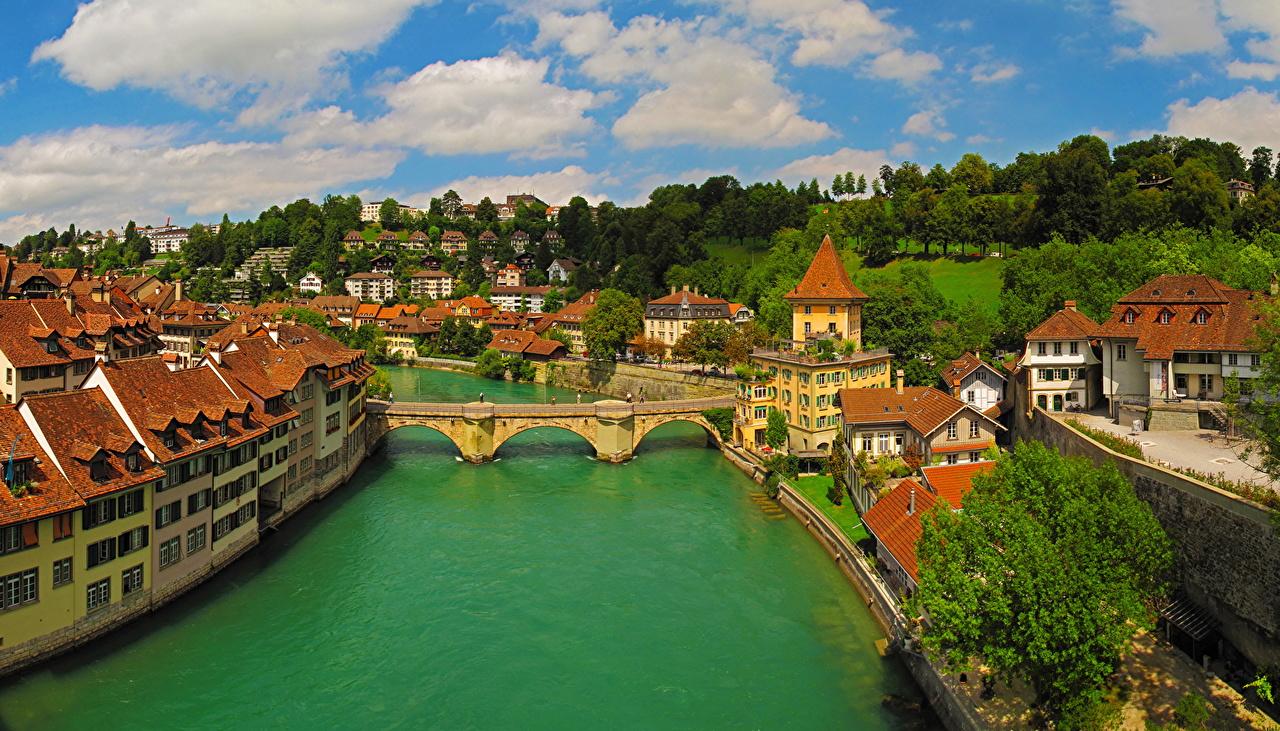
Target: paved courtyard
(1202, 449)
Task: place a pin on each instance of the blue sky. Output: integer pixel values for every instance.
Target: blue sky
(142, 109)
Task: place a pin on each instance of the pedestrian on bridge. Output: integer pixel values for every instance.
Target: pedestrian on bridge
(482, 397)
(579, 397)
(553, 400)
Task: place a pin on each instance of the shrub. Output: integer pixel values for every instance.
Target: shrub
(771, 485)
(1118, 444)
(1192, 712)
(787, 465)
(491, 364)
(722, 420)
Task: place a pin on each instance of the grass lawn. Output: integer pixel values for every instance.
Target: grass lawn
(815, 489)
(960, 279)
(733, 253)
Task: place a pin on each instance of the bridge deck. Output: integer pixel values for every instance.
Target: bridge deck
(612, 409)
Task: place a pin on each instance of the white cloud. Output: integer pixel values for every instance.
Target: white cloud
(906, 66)
(903, 150)
(979, 139)
(1253, 70)
(826, 167)
(1105, 134)
(990, 73)
(928, 123)
(555, 187)
(8, 85)
(1249, 118)
(1183, 26)
(100, 177)
(710, 90)
(204, 52)
(488, 105)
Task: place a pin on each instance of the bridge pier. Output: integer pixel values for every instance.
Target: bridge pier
(615, 457)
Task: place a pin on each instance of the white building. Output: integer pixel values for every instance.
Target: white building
(976, 383)
(435, 284)
(168, 241)
(509, 276)
(369, 212)
(310, 282)
(560, 270)
(370, 286)
(512, 299)
(1063, 372)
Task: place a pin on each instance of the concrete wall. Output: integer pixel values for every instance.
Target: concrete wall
(619, 379)
(1227, 548)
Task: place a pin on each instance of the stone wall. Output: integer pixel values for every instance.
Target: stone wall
(619, 379)
(1227, 548)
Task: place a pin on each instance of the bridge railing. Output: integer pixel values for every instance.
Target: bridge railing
(415, 408)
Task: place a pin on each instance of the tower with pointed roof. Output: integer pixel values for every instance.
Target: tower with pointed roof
(826, 303)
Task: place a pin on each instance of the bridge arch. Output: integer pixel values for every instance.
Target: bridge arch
(394, 425)
(647, 424)
(503, 435)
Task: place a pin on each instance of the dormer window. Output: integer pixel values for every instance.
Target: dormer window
(133, 462)
(1165, 317)
(51, 346)
(21, 472)
(98, 468)
(82, 342)
(1201, 317)
(1128, 317)
(222, 427)
(244, 420)
(169, 437)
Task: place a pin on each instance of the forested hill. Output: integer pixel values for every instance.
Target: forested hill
(750, 242)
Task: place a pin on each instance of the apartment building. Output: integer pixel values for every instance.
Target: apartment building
(667, 318)
(434, 284)
(184, 329)
(519, 298)
(371, 286)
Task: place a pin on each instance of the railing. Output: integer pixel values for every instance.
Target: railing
(598, 408)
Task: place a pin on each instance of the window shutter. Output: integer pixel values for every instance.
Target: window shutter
(111, 511)
(87, 517)
(146, 536)
(30, 534)
(92, 556)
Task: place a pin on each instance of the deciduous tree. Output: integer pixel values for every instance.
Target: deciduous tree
(616, 318)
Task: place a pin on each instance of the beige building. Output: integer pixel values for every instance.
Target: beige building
(431, 283)
(667, 318)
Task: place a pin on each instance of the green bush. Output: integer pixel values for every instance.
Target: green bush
(722, 420)
(771, 485)
(491, 364)
(1192, 712)
(520, 369)
(787, 465)
(1118, 444)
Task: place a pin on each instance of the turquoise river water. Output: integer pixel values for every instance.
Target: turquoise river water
(542, 591)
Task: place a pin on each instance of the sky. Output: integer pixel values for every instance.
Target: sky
(112, 110)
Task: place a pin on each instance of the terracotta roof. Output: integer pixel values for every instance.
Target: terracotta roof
(1065, 324)
(898, 528)
(49, 492)
(367, 310)
(961, 367)
(953, 482)
(335, 303)
(430, 274)
(74, 423)
(923, 408)
(683, 297)
(523, 341)
(353, 235)
(826, 278)
(1230, 317)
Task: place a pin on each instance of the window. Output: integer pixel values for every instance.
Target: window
(130, 503)
(1075, 348)
(1081, 374)
(1064, 374)
(951, 430)
(953, 459)
(974, 430)
(975, 456)
(18, 537)
(866, 443)
(307, 416)
(1255, 360)
(166, 514)
(1201, 317)
(1040, 348)
(831, 309)
(1046, 374)
(130, 580)
(1231, 359)
(133, 540)
(19, 588)
(169, 438)
(332, 397)
(62, 572)
(1206, 382)
(332, 423)
(1164, 317)
(198, 501)
(1057, 348)
(98, 468)
(196, 538)
(808, 327)
(8, 375)
(132, 462)
(229, 523)
(897, 443)
(808, 310)
(99, 594)
(882, 443)
(100, 552)
(99, 513)
(1128, 317)
(308, 392)
(51, 346)
(970, 396)
(170, 552)
(1122, 351)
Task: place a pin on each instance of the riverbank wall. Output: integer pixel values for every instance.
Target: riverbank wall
(954, 708)
(143, 602)
(1227, 549)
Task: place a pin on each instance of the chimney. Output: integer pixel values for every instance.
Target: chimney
(177, 290)
(244, 327)
(99, 292)
(899, 374)
(1069, 305)
(686, 288)
(673, 289)
(911, 506)
(71, 303)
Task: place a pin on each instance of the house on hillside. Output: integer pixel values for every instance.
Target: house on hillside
(431, 283)
(311, 283)
(1062, 370)
(371, 286)
(509, 276)
(519, 241)
(353, 239)
(977, 383)
(417, 241)
(561, 269)
(454, 242)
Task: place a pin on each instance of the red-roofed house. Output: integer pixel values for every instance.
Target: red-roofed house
(1063, 371)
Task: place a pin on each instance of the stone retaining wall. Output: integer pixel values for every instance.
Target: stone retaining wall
(1227, 548)
(619, 379)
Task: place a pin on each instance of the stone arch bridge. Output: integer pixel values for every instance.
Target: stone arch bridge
(613, 428)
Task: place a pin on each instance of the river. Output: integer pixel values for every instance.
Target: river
(545, 590)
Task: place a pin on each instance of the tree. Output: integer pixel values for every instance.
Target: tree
(553, 300)
(451, 204)
(371, 340)
(491, 365)
(746, 338)
(616, 318)
(1043, 576)
(379, 384)
(1259, 418)
(705, 343)
(973, 173)
(1198, 197)
(1073, 192)
(652, 348)
(775, 430)
(1260, 165)
(838, 466)
(389, 214)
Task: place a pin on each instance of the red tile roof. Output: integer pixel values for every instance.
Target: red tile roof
(1065, 324)
(826, 278)
(1230, 317)
(896, 527)
(953, 482)
(49, 492)
(922, 408)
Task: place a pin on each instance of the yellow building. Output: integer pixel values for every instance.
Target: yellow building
(802, 379)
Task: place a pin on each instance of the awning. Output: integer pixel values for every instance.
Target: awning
(1189, 618)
